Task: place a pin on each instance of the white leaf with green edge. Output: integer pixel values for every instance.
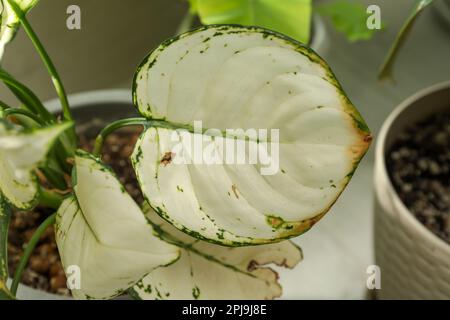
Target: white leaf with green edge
(21, 152)
(10, 21)
(209, 271)
(291, 17)
(104, 232)
(349, 18)
(236, 77)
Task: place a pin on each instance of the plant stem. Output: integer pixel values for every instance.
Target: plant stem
(26, 96)
(186, 23)
(113, 127)
(28, 250)
(23, 112)
(46, 59)
(5, 217)
(71, 136)
(4, 105)
(50, 199)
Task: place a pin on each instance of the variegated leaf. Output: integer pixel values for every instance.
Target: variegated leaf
(21, 152)
(103, 233)
(209, 271)
(10, 21)
(231, 77)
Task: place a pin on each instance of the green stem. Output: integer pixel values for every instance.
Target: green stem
(50, 199)
(26, 96)
(5, 216)
(68, 139)
(46, 59)
(186, 23)
(113, 127)
(28, 251)
(23, 112)
(4, 105)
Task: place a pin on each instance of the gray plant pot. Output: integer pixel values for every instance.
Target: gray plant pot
(414, 262)
(90, 109)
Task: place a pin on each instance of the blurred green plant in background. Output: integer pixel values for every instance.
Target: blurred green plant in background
(294, 18)
(290, 17)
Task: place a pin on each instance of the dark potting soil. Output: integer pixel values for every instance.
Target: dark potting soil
(419, 167)
(44, 270)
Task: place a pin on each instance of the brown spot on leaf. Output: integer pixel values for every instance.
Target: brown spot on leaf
(368, 138)
(234, 188)
(252, 266)
(167, 159)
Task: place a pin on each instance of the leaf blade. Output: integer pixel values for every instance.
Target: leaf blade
(10, 22)
(103, 232)
(249, 78)
(21, 152)
(349, 18)
(244, 272)
(291, 17)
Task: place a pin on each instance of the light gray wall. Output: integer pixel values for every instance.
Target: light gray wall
(115, 36)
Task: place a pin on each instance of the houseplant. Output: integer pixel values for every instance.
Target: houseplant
(99, 227)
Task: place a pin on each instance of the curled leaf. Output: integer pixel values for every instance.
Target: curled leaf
(10, 21)
(102, 233)
(21, 152)
(208, 271)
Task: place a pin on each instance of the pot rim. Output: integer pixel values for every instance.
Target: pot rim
(382, 176)
(93, 97)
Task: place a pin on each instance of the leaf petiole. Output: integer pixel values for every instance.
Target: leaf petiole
(50, 199)
(23, 112)
(186, 23)
(46, 59)
(99, 141)
(28, 251)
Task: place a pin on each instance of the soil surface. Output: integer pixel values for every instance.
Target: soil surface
(44, 270)
(419, 166)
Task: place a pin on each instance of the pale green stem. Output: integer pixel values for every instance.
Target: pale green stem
(23, 112)
(186, 23)
(29, 250)
(113, 127)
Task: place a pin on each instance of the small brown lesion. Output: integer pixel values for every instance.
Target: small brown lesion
(252, 266)
(235, 191)
(368, 138)
(167, 158)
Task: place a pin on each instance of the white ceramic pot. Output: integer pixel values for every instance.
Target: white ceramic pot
(414, 262)
(89, 108)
